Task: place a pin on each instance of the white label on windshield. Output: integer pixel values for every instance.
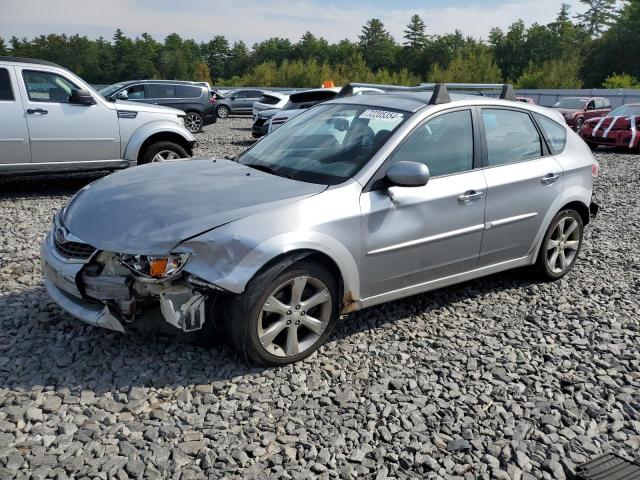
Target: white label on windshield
(381, 115)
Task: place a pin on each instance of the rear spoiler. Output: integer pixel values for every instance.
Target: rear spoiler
(440, 90)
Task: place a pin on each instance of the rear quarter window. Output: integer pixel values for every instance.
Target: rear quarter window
(6, 92)
(269, 100)
(158, 90)
(554, 133)
(187, 91)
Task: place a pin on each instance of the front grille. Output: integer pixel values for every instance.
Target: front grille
(75, 249)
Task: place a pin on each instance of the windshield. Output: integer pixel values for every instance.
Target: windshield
(574, 103)
(625, 111)
(327, 144)
(106, 92)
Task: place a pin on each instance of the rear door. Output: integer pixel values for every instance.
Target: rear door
(524, 182)
(14, 135)
(60, 131)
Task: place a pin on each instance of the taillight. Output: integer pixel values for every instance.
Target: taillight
(594, 168)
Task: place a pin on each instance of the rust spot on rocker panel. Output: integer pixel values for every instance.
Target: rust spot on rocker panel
(349, 303)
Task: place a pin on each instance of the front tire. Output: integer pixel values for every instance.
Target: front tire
(561, 245)
(579, 124)
(283, 316)
(162, 151)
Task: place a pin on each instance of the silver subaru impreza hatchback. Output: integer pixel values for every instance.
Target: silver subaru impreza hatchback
(358, 201)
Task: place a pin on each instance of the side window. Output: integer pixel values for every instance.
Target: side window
(591, 105)
(187, 91)
(607, 103)
(47, 87)
(161, 90)
(511, 136)
(6, 92)
(599, 104)
(136, 92)
(554, 133)
(255, 94)
(241, 94)
(444, 144)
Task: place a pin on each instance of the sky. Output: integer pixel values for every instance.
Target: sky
(256, 20)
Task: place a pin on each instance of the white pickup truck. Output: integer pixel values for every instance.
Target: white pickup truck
(51, 120)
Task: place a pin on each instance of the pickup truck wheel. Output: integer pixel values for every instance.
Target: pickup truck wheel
(561, 245)
(283, 316)
(193, 122)
(223, 111)
(161, 151)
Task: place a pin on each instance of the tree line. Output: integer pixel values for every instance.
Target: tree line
(591, 49)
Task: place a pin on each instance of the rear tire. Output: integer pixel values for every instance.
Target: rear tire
(560, 246)
(579, 124)
(283, 316)
(223, 111)
(193, 122)
(160, 151)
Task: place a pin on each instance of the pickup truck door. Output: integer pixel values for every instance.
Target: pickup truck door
(61, 131)
(14, 135)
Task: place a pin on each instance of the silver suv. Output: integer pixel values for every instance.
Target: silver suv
(52, 120)
(355, 202)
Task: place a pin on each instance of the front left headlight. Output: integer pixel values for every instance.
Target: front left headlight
(156, 267)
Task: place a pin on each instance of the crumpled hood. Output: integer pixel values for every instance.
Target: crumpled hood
(144, 107)
(150, 208)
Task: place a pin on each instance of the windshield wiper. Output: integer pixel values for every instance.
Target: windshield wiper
(268, 169)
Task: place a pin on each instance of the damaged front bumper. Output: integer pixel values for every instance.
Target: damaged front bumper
(118, 301)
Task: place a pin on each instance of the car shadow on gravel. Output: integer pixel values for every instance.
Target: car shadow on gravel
(51, 185)
(41, 345)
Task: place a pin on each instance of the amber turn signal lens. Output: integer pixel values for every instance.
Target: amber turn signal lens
(158, 267)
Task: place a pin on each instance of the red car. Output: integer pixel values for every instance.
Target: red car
(577, 110)
(619, 128)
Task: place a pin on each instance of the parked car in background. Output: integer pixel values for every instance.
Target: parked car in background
(51, 120)
(270, 101)
(526, 100)
(576, 110)
(262, 121)
(195, 99)
(237, 102)
(356, 202)
(619, 128)
(299, 102)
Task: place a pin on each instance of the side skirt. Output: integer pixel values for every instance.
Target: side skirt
(64, 166)
(445, 281)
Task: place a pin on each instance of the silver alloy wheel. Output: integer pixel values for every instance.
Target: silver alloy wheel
(193, 122)
(223, 112)
(294, 316)
(563, 244)
(163, 155)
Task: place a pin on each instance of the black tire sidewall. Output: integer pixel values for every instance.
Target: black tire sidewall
(243, 310)
(154, 148)
(541, 263)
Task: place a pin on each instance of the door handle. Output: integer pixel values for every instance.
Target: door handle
(37, 111)
(470, 196)
(549, 178)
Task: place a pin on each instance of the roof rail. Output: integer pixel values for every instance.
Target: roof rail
(440, 90)
(35, 61)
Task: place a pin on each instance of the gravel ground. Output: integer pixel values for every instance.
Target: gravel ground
(503, 377)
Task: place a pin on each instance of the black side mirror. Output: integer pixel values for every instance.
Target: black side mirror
(408, 174)
(81, 97)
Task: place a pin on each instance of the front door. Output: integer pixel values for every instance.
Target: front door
(63, 132)
(413, 235)
(14, 135)
(524, 182)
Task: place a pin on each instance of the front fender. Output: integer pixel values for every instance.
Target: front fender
(141, 134)
(231, 261)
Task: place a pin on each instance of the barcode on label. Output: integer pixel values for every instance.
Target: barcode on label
(381, 115)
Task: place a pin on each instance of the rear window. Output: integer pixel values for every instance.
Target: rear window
(269, 100)
(6, 92)
(554, 133)
(187, 91)
(158, 90)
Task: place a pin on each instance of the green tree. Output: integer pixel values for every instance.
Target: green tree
(558, 73)
(312, 47)
(217, 54)
(377, 45)
(201, 72)
(472, 67)
(272, 50)
(239, 59)
(3, 47)
(621, 81)
(415, 34)
(598, 16)
(174, 62)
